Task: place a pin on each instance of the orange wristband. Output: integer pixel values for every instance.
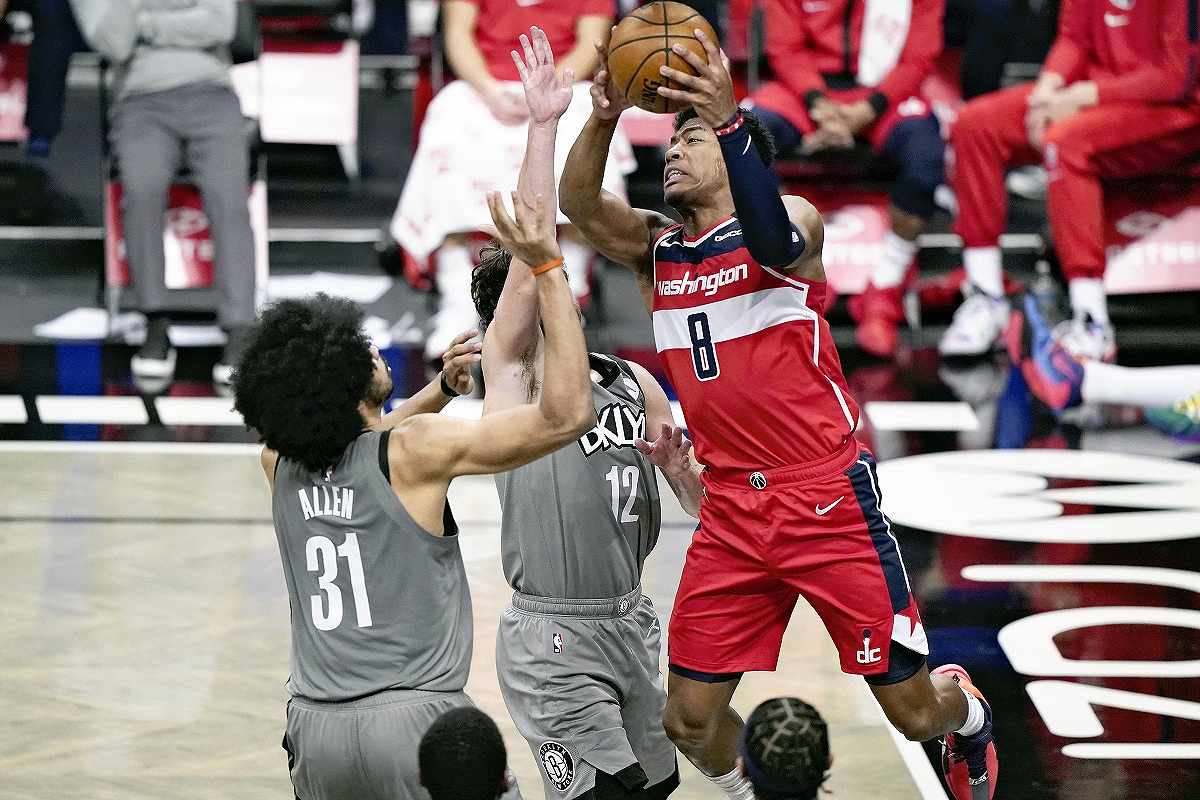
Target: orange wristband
(549, 265)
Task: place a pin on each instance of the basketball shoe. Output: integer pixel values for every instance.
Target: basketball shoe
(969, 763)
(878, 313)
(977, 326)
(1181, 420)
(1053, 374)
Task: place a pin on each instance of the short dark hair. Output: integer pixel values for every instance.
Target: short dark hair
(487, 281)
(306, 368)
(462, 757)
(764, 142)
(785, 750)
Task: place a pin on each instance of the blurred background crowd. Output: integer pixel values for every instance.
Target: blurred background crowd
(168, 163)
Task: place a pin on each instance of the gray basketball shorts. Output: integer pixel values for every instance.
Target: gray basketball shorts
(362, 749)
(582, 684)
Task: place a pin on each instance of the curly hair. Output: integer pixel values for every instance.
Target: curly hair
(487, 281)
(785, 749)
(764, 142)
(305, 370)
(462, 757)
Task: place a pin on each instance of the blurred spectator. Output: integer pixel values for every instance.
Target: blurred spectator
(173, 103)
(847, 71)
(983, 28)
(56, 38)
(473, 139)
(785, 750)
(1117, 97)
(462, 757)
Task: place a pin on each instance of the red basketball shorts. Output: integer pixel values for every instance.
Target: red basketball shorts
(765, 539)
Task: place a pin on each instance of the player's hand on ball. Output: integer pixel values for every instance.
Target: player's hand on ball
(531, 236)
(710, 90)
(458, 360)
(608, 101)
(546, 94)
(670, 452)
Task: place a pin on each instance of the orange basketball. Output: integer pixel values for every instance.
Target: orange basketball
(642, 43)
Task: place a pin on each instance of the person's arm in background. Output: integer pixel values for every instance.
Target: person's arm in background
(1071, 49)
(198, 25)
(1166, 79)
(582, 58)
(108, 27)
(459, 19)
(671, 450)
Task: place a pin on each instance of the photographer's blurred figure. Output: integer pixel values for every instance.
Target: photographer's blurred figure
(462, 757)
(785, 750)
(173, 102)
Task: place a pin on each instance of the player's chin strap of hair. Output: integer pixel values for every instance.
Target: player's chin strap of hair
(768, 232)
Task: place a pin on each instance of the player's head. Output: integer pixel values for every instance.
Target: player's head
(785, 750)
(487, 281)
(308, 377)
(696, 155)
(462, 757)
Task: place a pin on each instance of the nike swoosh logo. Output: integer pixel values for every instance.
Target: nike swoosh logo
(1111, 20)
(823, 511)
(814, 7)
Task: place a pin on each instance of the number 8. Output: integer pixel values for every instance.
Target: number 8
(704, 350)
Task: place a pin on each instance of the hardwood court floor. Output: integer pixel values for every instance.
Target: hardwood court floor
(144, 634)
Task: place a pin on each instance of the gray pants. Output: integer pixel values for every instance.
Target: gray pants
(581, 682)
(362, 749)
(152, 135)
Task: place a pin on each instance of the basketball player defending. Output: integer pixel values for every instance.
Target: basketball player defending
(380, 609)
(577, 653)
(792, 503)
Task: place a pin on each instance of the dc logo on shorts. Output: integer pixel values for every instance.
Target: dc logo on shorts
(557, 641)
(559, 766)
(758, 480)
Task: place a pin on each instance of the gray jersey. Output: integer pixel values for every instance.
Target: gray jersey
(580, 522)
(377, 602)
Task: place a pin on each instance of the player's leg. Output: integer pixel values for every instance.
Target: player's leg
(1079, 151)
(915, 145)
(322, 755)
(701, 723)
(644, 699)
(988, 138)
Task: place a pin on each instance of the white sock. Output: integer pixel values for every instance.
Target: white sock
(984, 270)
(456, 311)
(1149, 387)
(734, 785)
(898, 253)
(1088, 297)
(577, 257)
(974, 722)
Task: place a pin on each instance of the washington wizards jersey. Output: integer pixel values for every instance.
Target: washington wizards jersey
(749, 353)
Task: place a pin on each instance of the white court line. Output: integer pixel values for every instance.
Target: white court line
(889, 415)
(136, 448)
(197, 411)
(927, 781)
(74, 409)
(12, 409)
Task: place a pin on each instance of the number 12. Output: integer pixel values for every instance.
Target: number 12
(630, 477)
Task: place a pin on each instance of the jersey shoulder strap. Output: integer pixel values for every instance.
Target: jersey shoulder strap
(625, 385)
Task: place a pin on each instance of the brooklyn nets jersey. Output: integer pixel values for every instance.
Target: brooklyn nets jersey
(377, 602)
(579, 522)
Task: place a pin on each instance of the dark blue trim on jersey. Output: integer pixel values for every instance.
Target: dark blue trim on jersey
(704, 677)
(865, 482)
(903, 663)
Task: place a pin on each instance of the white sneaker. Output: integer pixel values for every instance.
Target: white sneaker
(977, 326)
(1028, 182)
(1086, 339)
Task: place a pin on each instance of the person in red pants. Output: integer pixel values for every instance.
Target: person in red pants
(845, 71)
(1117, 97)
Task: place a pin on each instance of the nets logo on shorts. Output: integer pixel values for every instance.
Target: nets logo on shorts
(559, 765)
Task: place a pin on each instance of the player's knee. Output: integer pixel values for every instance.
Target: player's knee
(688, 728)
(1062, 146)
(918, 724)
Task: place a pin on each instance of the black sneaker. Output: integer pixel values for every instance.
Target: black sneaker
(235, 345)
(156, 358)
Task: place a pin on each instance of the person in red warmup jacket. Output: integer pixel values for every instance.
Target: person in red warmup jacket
(847, 70)
(1117, 97)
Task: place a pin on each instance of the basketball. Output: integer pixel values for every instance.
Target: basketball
(641, 44)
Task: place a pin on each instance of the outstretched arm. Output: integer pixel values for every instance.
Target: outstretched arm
(670, 451)
(433, 397)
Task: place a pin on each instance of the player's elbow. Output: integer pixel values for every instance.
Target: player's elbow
(571, 419)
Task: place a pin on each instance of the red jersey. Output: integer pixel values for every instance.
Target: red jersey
(501, 22)
(1135, 50)
(749, 353)
(810, 39)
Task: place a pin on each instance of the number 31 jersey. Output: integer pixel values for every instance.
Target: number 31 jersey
(749, 353)
(377, 601)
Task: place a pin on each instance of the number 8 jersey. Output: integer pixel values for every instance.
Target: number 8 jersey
(377, 601)
(749, 353)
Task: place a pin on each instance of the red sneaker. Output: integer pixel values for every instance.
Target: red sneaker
(880, 312)
(969, 763)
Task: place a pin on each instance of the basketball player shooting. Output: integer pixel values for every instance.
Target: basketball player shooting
(381, 612)
(574, 555)
(792, 503)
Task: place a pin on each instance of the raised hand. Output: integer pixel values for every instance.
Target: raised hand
(710, 90)
(608, 101)
(546, 95)
(458, 360)
(532, 236)
(670, 452)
